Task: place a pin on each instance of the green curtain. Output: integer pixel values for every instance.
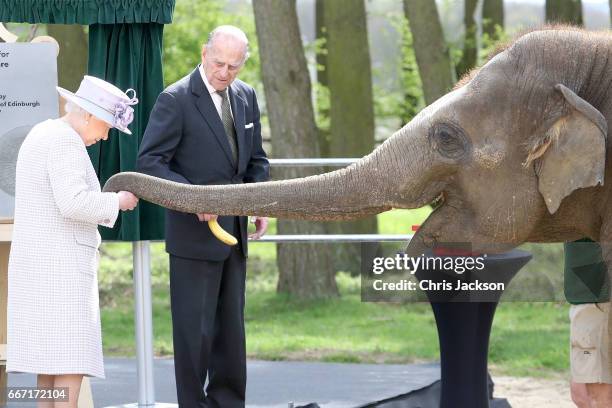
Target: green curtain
(86, 12)
(129, 56)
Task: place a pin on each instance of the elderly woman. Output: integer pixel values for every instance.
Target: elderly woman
(53, 311)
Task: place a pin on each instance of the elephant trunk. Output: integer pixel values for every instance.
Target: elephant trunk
(369, 186)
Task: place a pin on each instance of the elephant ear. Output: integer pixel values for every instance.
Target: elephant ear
(572, 152)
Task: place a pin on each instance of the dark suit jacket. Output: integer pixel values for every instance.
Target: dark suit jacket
(185, 142)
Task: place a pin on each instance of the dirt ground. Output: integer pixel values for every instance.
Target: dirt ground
(525, 392)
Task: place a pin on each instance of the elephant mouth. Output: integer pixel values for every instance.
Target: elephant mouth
(433, 194)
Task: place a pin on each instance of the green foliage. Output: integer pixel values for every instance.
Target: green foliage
(469, 54)
(490, 42)
(408, 100)
(390, 101)
(487, 44)
(321, 92)
(322, 107)
(413, 100)
(192, 22)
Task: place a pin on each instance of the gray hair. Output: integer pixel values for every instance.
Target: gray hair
(231, 31)
(72, 107)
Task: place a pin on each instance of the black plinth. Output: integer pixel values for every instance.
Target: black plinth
(464, 319)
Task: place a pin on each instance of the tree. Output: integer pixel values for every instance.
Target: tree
(564, 11)
(349, 81)
(492, 17)
(304, 271)
(183, 39)
(470, 42)
(72, 58)
(430, 48)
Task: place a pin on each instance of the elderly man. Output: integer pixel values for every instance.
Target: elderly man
(205, 129)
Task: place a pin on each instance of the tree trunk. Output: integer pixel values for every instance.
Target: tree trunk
(351, 105)
(470, 42)
(431, 51)
(492, 17)
(564, 11)
(304, 270)
(72, 59)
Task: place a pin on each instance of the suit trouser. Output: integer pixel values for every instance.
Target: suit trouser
(207, 302)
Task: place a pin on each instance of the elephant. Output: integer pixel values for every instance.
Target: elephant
(515, 153)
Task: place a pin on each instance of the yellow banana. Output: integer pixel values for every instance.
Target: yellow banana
(221, 234)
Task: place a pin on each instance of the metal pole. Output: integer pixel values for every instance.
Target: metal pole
(335, 162)
(141, 252)
(334, 238)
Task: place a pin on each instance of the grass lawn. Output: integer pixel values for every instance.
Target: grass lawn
(527, 339)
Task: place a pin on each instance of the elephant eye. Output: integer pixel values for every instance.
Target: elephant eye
(449, 140)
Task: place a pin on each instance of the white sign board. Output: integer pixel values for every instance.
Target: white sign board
(28, 77)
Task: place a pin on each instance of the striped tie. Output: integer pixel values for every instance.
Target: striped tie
(228, 124)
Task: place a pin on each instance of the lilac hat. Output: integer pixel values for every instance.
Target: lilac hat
(105, 101)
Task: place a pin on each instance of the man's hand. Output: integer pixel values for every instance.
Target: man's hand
(261, 225)
(203, 217)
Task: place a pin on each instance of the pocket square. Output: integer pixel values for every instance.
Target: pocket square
(250, 125)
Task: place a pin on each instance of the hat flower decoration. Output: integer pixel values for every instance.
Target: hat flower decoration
(104, 101)
(124, 113)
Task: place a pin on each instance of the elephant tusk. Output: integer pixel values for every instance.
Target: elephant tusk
(221, 234)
